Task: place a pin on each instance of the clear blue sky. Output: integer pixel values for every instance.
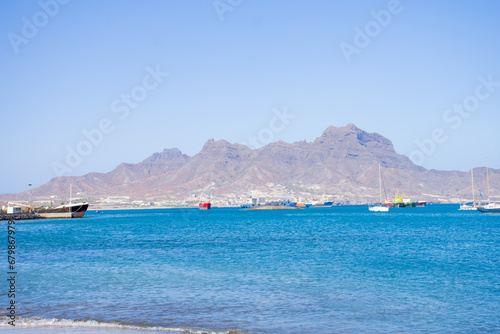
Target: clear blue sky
(68, 68)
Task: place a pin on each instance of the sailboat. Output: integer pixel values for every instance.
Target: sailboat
(470, 206)
(379, 207)
(490, 207)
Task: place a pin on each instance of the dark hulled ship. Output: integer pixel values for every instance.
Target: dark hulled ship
(72, 210)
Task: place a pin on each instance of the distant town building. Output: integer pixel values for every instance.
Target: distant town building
(13, 209)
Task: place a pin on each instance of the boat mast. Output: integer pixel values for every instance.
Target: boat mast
(380, 183)
(487, 180)
(70, 185)
(472, 185)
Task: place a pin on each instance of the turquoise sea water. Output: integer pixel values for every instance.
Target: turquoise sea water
(327, 270)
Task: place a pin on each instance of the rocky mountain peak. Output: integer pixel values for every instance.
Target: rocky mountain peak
(352, 127)
(223, 148)
(334, 135)
(351, 134)
(212, 146)
(165, 155)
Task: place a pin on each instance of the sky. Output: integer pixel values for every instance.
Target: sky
(87, 85)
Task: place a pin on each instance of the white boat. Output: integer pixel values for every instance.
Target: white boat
(379, 207)
(470, 206)
(490, 207)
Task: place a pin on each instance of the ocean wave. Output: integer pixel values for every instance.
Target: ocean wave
(68, 323)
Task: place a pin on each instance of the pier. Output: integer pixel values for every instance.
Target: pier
(19, 216)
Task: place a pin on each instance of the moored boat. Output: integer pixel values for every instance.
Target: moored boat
(398, 202)
(379, 207)
(388, 202)
(322, 205)
(490, 207)
(272, 207)
(204, 205)
(72, 210)
(470, 206)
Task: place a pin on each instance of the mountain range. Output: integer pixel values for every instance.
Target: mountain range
(341, 163)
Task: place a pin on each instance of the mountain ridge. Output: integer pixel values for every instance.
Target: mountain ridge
(341, 162)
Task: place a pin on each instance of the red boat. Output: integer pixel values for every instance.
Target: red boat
(204, 205)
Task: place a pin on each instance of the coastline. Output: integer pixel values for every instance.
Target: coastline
(115, 208)
(76, 330)
(60, 326)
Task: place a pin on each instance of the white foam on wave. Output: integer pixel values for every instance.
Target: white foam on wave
(67, 323)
